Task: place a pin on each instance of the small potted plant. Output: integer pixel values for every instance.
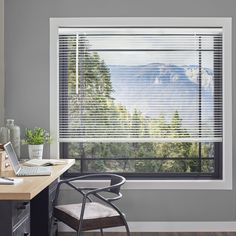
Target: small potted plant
(36, 138)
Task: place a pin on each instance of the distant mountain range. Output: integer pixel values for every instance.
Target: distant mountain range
(155, 88)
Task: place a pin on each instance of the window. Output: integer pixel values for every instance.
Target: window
(142, 100)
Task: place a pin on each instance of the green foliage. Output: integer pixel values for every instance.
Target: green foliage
(36, 136)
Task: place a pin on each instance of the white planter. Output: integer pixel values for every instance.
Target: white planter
(35, 151)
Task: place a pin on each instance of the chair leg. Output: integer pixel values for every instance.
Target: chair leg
(79, 233)
(126, 224)
(127, 229)
(52, 222)
(101, 230)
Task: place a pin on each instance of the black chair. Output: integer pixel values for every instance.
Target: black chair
(96, 211)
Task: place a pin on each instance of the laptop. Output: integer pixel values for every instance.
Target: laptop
(24, 170)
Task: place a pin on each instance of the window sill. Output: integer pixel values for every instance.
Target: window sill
(178, 184)
(164, 184)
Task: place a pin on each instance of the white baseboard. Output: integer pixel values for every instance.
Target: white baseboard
(204, 226)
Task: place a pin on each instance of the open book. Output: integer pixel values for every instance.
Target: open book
(44, 162)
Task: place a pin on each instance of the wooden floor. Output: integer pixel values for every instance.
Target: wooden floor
(154, 234)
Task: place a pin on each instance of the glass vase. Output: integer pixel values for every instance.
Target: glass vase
(14, 132)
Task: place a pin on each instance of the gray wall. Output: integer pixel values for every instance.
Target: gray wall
(2, 81)
(27, 89)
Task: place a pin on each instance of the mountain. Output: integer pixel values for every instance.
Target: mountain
(160, 73)
(156, 88)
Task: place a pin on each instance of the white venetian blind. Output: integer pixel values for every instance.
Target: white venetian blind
(140, 84)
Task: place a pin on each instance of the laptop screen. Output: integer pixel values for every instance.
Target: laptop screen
(12, 156)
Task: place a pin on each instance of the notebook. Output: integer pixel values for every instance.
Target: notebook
(44, 162)
(24, 170)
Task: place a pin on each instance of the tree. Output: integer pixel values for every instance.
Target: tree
(88, 95)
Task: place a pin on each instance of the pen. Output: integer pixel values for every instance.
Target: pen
(6, 178)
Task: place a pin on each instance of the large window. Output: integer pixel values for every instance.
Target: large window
(144, 101)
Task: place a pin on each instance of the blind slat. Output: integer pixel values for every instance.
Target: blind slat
(116, 83)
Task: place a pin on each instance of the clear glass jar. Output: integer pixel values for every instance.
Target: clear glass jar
(14, 136)
(4, 135)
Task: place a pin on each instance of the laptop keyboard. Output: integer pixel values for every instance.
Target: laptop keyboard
(34, 171)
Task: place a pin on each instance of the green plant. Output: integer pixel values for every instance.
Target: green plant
(36, 136)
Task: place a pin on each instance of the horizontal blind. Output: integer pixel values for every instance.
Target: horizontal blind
(140, 84)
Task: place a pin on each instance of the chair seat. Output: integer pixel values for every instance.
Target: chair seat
(96, 216)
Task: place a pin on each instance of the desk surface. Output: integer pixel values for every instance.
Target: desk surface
(32, 185)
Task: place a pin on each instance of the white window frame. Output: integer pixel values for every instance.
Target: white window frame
(224, 22)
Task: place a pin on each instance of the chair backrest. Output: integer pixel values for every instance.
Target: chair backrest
(116, 180)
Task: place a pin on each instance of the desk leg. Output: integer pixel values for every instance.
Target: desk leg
(41, 212)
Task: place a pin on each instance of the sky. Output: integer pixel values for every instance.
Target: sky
(147, 39)
(150, 43)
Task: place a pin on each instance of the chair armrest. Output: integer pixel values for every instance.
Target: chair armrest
(80, 190)
(86, 192)
(109, 189)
